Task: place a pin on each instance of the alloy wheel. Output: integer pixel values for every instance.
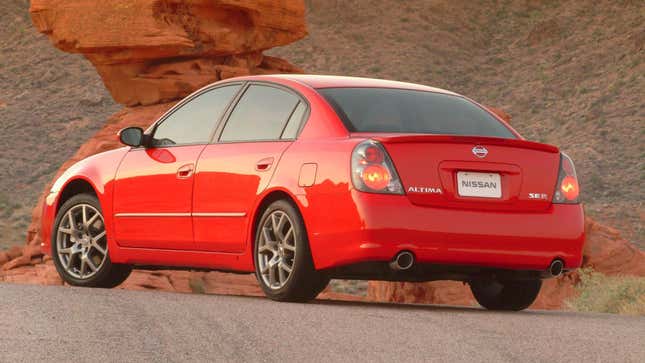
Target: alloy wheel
(81, 242)
(276, 249)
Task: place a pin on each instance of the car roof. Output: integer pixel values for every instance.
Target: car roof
(326, 81)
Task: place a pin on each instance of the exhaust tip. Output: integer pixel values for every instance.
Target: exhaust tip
(556, 268)
(404, 260)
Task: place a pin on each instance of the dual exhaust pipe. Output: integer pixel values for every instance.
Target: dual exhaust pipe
(404, 260)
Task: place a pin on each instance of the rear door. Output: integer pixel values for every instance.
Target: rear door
(232, 172)
(154, 186)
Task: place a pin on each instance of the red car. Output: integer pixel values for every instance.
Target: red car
(303, 178)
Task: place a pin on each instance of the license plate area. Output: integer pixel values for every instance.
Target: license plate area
(480, 185)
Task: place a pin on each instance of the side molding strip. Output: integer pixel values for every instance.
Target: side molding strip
(223, 214)
(152, 215)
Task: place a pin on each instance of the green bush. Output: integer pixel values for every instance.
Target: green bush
(609, 294)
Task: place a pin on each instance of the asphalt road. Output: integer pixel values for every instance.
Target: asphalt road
(39, 323)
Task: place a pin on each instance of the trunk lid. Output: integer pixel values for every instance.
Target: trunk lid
(470, 172)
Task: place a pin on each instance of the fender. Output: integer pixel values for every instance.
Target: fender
(97, 170)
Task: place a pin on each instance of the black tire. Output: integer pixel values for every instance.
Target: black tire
(107, 274)
(505, 295)
(304, 283)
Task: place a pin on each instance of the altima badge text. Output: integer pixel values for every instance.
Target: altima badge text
(428, 190)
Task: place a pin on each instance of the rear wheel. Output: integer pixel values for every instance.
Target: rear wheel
(505, 295)
(80, 248)
(283, 263)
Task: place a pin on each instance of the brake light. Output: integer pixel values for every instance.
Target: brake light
(373, 171)
(375, 177)
(567, 189)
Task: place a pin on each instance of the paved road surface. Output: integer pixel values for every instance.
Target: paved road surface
(73, 324)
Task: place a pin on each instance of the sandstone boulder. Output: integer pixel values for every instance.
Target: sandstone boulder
(4, 258)
(41, 274)
(150, 51)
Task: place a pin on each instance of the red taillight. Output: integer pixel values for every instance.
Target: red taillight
(372, 169)
(376, 177)
(567, 190)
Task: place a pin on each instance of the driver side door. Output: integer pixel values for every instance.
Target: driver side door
(154, 185)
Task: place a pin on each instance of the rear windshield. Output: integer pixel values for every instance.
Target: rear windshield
(408, 111)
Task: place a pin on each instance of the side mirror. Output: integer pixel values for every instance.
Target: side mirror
(131, 136)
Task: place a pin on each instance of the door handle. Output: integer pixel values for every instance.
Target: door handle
(185, 171)
(264, 164)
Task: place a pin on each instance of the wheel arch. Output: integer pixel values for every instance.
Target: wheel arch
(266, 200)
(75, 186)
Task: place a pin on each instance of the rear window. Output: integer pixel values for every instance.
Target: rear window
(408, 111)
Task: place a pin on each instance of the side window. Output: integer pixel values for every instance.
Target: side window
(291, 130)
(261, 114)
(193, 122)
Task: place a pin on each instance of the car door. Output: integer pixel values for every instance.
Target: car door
(154, 185)
(236, 168)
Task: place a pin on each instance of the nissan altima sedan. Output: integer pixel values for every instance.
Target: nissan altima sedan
(303, 178)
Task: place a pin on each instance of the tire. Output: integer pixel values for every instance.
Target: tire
(281, 244)
(505, 295)
(80, 251)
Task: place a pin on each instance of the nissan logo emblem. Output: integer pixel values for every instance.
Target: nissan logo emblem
(480, 151)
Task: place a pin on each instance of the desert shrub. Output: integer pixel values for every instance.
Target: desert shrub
(197, 285)
(609, 294)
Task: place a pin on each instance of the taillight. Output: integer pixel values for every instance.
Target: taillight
(373, 171)
(567, 190)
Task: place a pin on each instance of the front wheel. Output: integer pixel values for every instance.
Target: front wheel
(80, 248)
(283, 262)
(505, 295)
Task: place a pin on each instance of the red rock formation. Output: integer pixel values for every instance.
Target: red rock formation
(40, 274)
(151, 51)
(172, 281)
(605, 251)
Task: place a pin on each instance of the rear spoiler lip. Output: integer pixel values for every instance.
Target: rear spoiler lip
(484, 140)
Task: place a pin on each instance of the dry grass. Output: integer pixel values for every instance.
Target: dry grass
(610, 294)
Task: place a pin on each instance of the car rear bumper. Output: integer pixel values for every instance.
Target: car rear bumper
(517, 241)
